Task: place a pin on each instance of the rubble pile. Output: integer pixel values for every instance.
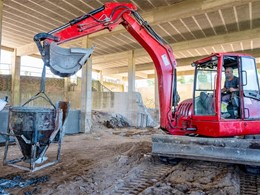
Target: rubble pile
(117, 121)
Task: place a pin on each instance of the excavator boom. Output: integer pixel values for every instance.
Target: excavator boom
(66, 62)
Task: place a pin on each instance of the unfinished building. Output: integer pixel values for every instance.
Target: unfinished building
(128, 98)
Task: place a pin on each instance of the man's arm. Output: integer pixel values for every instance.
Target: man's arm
(223, 90)
(231, 89)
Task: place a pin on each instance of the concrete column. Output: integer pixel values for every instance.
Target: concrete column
(86, 92)
(131, 71)
(156, 93)
(101, 77)
(101, 81)
(125, 83)
(1, 16)
(131, 83)
(15, 68)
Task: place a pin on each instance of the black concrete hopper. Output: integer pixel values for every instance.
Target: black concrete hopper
(33, 126)
(35, 129)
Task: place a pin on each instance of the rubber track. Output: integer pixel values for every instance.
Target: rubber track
(149, 177)
(249, 184)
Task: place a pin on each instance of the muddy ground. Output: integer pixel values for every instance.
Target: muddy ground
(113, 161)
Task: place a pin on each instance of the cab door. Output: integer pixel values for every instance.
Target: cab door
(250, 96)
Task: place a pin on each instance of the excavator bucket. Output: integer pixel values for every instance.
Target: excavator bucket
(65, 62)
(228, 150)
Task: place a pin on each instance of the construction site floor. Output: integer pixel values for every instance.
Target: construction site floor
(119, 161)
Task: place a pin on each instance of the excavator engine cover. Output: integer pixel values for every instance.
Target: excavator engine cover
(65, 62)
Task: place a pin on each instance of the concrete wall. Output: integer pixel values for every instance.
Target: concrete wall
(129, 105)
(5, 86)
(147, 95)
(29, 86)
(114, 87)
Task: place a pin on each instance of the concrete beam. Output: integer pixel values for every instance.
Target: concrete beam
(152, 76)
(255, 53)
(189, 8)
(177, 11)
(110, 57)
(36, 56)
(141, 75)
(213, 41)
(235, 37)
(177, 47)
(118, 70)
(184, 73)
(179, 73)
(6, 48)
(186, 45)
(162, 14)
(147, 66)
(28, 49)
(180, 63)
(142, 67)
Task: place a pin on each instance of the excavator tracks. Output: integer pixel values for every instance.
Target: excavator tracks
(137, 182)
(143, 180)
(249, 184)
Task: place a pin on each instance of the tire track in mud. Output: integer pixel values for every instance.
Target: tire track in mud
(249, 184)
(157, 171)
(135, 183)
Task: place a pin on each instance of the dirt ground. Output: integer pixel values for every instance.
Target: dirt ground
(113, 161)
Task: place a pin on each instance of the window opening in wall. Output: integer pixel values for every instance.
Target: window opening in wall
(31, 66)
(5, 62)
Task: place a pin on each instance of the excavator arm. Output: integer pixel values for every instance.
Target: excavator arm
(66, 62)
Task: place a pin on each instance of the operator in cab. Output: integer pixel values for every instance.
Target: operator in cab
(231, 85)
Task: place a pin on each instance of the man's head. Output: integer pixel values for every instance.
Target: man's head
(229, 73)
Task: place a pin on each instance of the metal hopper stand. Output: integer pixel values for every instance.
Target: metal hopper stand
(34, 130)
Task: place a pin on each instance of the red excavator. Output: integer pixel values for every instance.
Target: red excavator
(202, 127)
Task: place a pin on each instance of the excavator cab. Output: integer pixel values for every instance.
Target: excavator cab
(206, 87)
(218, 112)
